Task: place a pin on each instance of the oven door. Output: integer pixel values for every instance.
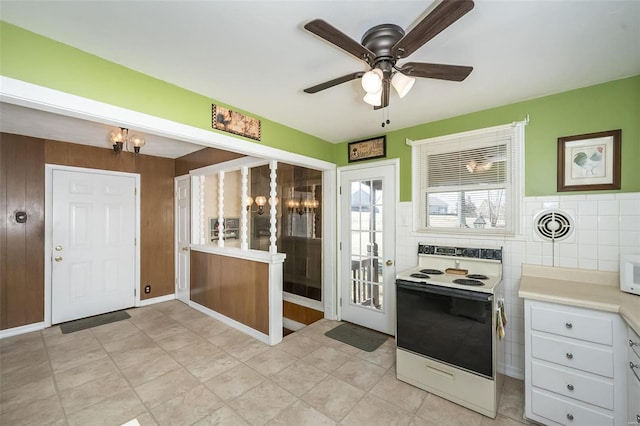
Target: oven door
(449, 325)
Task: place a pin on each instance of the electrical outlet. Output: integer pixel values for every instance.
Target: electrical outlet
(147, 289)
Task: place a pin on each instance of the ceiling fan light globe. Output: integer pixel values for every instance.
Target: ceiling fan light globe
(373, 99)
(402, 83)
(372, 81)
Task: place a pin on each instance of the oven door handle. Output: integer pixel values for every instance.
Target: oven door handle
(444, 291)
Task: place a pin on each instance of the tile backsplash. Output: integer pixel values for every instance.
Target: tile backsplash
(604, 226)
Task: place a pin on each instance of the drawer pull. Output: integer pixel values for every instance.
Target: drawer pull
(570, 416)
(632, 343)
(568, 325)
(633, 368)
(570, 387)
(569, 355)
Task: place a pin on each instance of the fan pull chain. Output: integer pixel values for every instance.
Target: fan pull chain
(387, 121)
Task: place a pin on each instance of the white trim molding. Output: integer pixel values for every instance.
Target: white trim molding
(23, 329)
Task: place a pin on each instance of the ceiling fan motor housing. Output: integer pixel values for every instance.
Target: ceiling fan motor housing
(380, 39)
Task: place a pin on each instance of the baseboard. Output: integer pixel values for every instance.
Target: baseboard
(154, 300)
(232, 323)
(292, 325)
(23, 329)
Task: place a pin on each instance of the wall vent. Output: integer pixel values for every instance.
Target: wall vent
(553, 225)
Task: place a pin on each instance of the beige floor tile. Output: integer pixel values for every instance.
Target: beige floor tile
(194, 352)
(186, 316)
(171, 307)
(333, 397)
(371, 411)
(154, 323)
(142, 373)
(85, 373)
(244, 351)
(262, 403)
(166, 387)
(16, 359)
(187, 407)
(162, 332)
(25, 395)
(360, 373)
(75, 358)
(442, 412)
(327, 359)
(419, 421)
(501, 420)
(143, 313)
(233, 383)
(299, 377)
(114, 331)
(21, 343)
(137, 356)
(223, 416)
(44, 412)
(179, 340)
(384, 356)
(115, 410)
(399, 393)
(229, 338)
(511, 402)
(138, 340)
(145, 419)
(210, 367)
(298, 345)
(207, 327)
(22, 376)
(301, 414)
(77, 398)
(271, 361)
(83, 339)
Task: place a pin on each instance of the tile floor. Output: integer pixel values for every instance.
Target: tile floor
(172, 365)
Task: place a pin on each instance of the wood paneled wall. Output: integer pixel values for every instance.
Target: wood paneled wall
(21, 244)
(236, 288)
(202, 158)
(156, 205)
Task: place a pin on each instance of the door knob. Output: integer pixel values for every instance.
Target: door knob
(185, 248)
(58, 259)
(58, 248)
(389, 262)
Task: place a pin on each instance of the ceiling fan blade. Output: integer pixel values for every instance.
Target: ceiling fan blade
(336, 37)
(439, 71)
(334, 82)
(445, 14)
(385, 94)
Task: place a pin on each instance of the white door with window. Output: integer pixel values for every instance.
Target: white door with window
(368, 201)
(93, 251)
(183, 233)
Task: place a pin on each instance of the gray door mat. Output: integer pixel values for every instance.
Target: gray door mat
(84, 323)
(358, 337)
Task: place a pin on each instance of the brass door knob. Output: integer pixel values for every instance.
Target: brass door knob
(185, 248)
(58, 248)
(389, 263)
(58, 259)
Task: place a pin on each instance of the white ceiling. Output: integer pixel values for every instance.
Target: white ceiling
(255, 55)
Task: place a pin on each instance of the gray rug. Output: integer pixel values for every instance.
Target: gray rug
(356, 336)
(84, 323)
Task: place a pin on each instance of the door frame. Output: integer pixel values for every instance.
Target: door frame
(48, 228)
(395, 163)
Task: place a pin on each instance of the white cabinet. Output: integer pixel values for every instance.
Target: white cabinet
(633, 379)
(574, 366)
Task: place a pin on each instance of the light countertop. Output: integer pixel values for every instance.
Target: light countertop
(582, 288)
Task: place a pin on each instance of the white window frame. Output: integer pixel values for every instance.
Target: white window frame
(515, 189)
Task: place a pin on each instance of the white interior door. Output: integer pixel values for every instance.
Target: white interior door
(93, 244)
(367, 221)
(183, 232)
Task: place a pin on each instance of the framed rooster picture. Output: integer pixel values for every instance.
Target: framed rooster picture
(589, 162)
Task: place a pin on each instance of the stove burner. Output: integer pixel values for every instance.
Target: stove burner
(477, 277)
(464, 281)
(431, 271)
(418, 275)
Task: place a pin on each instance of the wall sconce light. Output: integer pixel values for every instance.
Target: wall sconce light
(259, 201)
(121, 139)
(302, 206)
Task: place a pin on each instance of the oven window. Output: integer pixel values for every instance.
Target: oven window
(453, 330)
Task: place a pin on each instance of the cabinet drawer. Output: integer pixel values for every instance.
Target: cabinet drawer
(572, 354)
(573, 385)
(572, 322)
(565, 412)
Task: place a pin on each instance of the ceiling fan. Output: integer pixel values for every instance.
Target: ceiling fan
(384, 45)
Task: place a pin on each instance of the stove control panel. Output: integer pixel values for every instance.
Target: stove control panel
(474, 253)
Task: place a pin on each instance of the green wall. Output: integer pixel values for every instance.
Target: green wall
(39, 60)
(607, 106)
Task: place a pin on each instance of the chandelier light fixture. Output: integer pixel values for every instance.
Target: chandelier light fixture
(377, 80)
(122, 140)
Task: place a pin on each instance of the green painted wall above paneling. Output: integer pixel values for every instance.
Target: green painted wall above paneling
(39, 60)
(607, 106)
